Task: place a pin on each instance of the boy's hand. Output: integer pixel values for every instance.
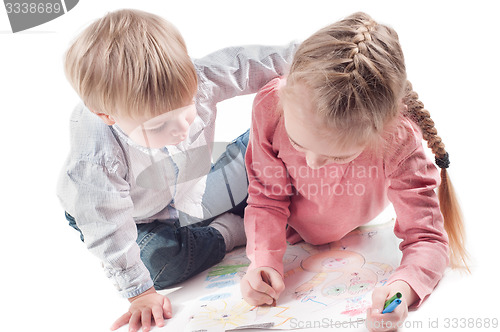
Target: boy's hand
(256, 291)
(378, 322)
(142, 309)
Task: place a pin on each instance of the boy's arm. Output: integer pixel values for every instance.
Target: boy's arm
(97, 196)
(235, 71)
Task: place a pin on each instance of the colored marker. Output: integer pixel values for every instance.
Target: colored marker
(398, 295)
(390, 308)
(265, 278)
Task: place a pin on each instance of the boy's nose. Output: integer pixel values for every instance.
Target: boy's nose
(180, 129)
(314, 161)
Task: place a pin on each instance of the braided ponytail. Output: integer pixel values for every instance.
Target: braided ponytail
(355, 72)
(453, 220)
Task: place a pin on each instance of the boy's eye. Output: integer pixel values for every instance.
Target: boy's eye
(158, 129)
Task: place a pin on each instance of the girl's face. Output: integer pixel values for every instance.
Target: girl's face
(169, 128)
(307, 134)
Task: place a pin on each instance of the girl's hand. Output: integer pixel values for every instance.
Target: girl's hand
(256, 291)
(144, 307)
(376, 321)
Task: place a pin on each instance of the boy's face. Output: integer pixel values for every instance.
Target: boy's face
(169, 128)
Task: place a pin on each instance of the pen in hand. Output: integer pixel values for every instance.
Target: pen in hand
(392, 303)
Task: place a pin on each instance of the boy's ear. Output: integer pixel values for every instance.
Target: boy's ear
(107, 119)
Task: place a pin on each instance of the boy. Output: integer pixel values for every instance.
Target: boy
(139, 172)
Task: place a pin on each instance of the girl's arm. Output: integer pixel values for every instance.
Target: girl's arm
(413, 179)
(269, 187)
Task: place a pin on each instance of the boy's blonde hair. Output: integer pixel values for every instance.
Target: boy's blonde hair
(355, 72)
(131, 63)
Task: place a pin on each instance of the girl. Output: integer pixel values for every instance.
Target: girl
(331, 145)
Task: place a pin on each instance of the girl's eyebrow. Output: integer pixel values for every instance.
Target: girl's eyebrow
(332, 157)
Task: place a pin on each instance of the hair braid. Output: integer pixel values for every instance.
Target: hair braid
(448, 202)
(422, 117)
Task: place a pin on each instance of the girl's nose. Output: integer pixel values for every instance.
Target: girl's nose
(314, 161)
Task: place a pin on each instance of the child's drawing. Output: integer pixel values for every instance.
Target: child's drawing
(334, 281)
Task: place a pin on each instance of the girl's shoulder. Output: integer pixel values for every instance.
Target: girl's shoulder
(400, 140)
(266, 105)
(266, 112)
(402, 131)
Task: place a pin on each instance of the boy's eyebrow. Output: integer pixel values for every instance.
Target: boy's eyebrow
(333, 157)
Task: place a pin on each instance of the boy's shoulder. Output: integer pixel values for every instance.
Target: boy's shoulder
(90, 138)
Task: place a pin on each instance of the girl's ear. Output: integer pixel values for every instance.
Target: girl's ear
(107, 119)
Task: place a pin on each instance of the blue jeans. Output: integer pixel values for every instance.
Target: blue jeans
(227, 183)
(172, 253)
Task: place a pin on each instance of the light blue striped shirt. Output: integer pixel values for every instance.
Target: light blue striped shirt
(109, 183)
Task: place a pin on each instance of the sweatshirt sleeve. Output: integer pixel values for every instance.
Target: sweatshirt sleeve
(235, 71)
(269, 187)
(413, 180)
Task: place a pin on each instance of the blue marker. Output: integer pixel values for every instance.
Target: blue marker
(390, 308)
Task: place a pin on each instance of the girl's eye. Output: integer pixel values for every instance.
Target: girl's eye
(295, 145)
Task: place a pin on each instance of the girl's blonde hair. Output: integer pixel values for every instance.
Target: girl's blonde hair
(131, 63)
(355, 72)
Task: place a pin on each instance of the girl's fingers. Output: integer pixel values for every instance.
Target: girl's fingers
(252, 296)
(379, 296)
(260, 298)
(277, 283)
(260, 286)
(378, 322)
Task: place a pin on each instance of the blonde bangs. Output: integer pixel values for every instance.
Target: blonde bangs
(131, 63)
(351, 127)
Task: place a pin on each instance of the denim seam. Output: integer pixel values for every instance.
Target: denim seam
(187, 271)
(147, 238)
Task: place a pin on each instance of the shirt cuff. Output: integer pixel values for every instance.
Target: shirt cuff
(141, 289)
(267, 260)
(410, 276)
(131, 282)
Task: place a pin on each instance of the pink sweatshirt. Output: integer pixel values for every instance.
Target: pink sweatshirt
(323, 205)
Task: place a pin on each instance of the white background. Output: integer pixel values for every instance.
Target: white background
(48, 279)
